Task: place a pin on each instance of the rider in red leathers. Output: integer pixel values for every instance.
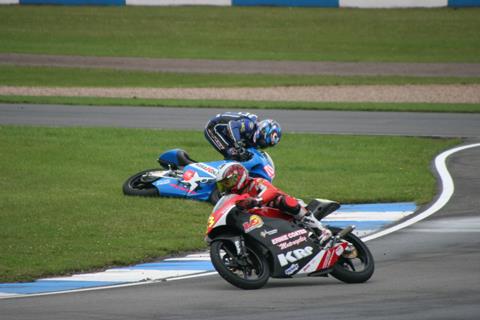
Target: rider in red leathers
(233, 178)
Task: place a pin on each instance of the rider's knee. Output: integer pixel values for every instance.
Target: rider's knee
(288, 204)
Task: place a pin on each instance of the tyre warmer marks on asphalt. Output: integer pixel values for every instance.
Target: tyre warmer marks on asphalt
(368, 218)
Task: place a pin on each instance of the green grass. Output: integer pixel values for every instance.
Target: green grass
(232, 104)
(80, 77)
(415, 35)
(77, 77)
(62, 210)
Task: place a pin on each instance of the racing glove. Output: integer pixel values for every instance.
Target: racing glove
(248, 203)
(239, 154)
(243, 155)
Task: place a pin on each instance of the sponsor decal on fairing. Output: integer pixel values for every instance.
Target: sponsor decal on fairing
(292, 269)
(270, 171)
(294, 256)
(189, 174)
(324, 259)
(296, 242)
(206, 168)
(288, 236)
(163, 181)
(331, 257)
(313, 264)
(192, 179)
(255, 222)
(176, 186)
(266, 233)
(339, 250)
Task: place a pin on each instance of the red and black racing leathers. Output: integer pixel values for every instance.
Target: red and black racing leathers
(263, 193)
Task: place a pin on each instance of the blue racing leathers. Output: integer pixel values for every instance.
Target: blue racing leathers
(230, 132)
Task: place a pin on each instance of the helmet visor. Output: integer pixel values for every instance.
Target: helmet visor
(227, 184)
(261, 138)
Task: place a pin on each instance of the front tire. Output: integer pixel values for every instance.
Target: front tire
(356, 268)
(247, 273)
(134, 186)
(214, 196)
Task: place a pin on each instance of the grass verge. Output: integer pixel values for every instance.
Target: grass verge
(88, 77)
(232, 104)
(62, 210)
(244, 33)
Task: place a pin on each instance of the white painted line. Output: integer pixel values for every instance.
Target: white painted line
(445, 230)
(194, 276)
(133, 284)
(205, 256)
(188, 259)
(126, 275)
(367, 216)
(447, 191)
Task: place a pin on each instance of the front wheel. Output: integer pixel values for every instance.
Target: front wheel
(249, 272)
(214, 196)
(137, 185)
(355, 266)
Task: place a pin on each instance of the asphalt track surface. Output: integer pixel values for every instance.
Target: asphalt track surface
(334, 122)
(427, 271)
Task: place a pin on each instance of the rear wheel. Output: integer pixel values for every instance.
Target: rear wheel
(356, 265)
(139, 185)
(249, 272)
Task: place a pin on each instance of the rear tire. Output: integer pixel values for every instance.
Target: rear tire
(254, 272)
(354, 270)
(135, 187)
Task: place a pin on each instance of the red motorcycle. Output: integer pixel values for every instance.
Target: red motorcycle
(249, 247)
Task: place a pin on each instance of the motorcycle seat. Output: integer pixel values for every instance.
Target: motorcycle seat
(184, 159)
(175, 159)
(321, 208)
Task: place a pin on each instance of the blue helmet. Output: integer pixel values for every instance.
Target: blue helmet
(268, 133)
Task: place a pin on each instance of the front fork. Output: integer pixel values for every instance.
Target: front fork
(240, 257)
(350, 251)
(240, 246)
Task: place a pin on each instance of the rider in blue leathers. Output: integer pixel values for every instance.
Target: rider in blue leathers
(231, 132)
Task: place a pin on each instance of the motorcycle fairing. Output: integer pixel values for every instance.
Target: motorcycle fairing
(197, 182)
(324, 259)
(222, 208)
(260, 165)
(197, 179)
(289, 245)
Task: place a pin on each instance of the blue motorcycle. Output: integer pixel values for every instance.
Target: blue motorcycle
(183, 177)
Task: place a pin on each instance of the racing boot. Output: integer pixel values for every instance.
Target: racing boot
(309, 219)
(297, 208)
